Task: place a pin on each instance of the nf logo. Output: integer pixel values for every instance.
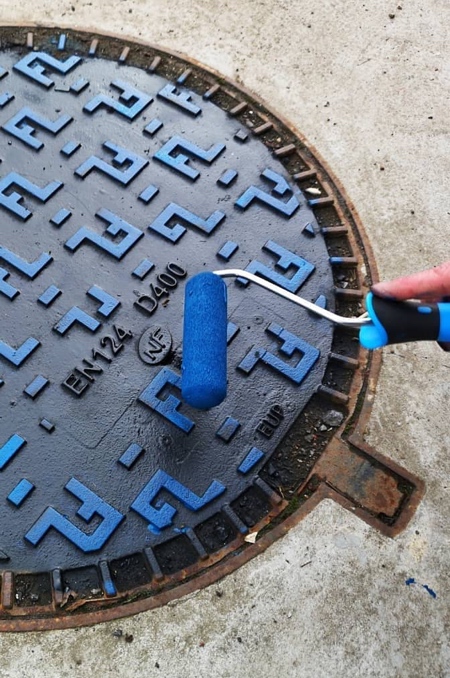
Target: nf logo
(154, 345)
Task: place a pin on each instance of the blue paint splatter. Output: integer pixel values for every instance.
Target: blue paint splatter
(430, 591)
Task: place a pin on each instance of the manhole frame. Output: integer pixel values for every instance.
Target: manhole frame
(350, 436)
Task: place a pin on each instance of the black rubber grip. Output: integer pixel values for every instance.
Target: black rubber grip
(407, 320)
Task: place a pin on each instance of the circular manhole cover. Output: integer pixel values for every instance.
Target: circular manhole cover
(124, 171)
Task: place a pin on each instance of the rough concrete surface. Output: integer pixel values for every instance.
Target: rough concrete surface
(367, 83)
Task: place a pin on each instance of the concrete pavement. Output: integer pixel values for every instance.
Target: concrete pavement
(368, 85)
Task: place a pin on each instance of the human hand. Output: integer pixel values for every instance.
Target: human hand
(430, 285)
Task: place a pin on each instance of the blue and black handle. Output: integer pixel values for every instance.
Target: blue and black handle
(204, 367)
(394, 322)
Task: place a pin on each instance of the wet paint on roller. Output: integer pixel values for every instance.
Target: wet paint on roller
(204, 368)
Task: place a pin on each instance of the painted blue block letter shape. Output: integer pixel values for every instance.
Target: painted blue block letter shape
(167, 408)
(16, 356)
(17, 126)
(290, 344)
(169, 155)
(36, 64)
(11, 201)
(131, 163)
(286, 260)
(160, 518)
(135, 99)
(91, 505)
(175, 231)
(281, 188)
(116, 226)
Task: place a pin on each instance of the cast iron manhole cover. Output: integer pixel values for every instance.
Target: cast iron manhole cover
(124, 171)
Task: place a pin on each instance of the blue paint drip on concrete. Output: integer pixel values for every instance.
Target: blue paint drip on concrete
(430, 591)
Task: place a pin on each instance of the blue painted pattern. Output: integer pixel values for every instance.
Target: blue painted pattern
(153, 126)
(290, 343)
(47, 425)
(30, 269)
(232, 331)
(148, 193)
(5, 288)
(79, 85)
(132, 162)
(61, 217)
(5, 98)
(62, 41)
(175, 232)
(91, 505)
(281, 188)
(17, 126)
(160, 518)
(131, 455)
(227, 250)
(162, 152)
(309, 230)
(143, 269)
(227, 178)
(74, 316)
(167, 408)
(137, 101)
(36, 64)
(9, 449)
(17, 356)
(108, 584)
(250, 460)
(70, 148)
(108, 303)
(321, 301)
(37, 386)
(117, 226)
(12, 201)
(22, 490)
(49, 295)
(182, 99)
(285, 260)
(180, 161)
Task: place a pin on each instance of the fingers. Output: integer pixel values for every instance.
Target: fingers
(430, 285)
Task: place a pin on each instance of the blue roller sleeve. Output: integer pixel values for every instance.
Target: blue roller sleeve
(204, 366)
(396, 322)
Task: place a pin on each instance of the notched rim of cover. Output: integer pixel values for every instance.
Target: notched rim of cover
(346, 469)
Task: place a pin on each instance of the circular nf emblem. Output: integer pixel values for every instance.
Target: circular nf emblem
(154, 345)
(125, 171)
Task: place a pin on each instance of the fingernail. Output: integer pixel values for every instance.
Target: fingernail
(378, 291)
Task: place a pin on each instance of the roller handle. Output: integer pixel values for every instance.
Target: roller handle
(395, 322)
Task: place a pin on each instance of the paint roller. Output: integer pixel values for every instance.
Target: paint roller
(204, 365)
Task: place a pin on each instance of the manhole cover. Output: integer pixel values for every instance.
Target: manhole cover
(124, 171)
